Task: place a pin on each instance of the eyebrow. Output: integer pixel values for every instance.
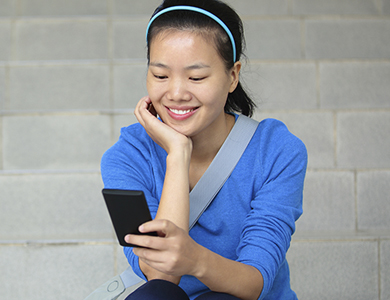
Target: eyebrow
(196, 66)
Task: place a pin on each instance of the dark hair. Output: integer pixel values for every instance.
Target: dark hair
(238, 100)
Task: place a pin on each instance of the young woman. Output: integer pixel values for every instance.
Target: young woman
(237, 249)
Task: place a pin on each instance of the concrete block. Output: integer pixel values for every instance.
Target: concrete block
(363, 140)
(273, 39)
(347, 39)
(48, 206)
(316, 130)
(355, 85)
(129, 39)
(122, 120)
(385, 269)
(7, 8)
(129, 85)
(134, 7)
(5, 40)
(59, 87)
(2, 87)
(55, 141)
(325, 270)
(373, 200)
(122, 262)
(64, 271)
(386, 7)
(61, 8)
(61, 39)
(274, 85)
(335, 7)
(1, 144)
(328, 202)
(259, 7)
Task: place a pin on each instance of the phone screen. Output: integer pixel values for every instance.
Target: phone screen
(128, 209)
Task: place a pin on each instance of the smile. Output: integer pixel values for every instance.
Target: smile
(180, 112)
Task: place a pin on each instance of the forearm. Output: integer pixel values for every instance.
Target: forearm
(227, 276)
(174, 202)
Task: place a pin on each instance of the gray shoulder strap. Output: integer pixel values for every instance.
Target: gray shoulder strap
(221, 167)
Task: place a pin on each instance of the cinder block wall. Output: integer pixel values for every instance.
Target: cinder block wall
(71, 73)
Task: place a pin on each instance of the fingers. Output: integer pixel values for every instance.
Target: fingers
(144, 241)
(141, 110)
(162, 227)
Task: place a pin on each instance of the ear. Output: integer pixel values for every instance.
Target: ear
(235, 76)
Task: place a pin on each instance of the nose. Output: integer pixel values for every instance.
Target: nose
(177, 90)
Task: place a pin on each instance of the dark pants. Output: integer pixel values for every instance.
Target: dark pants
(165, 290)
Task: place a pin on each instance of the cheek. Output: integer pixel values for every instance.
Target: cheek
(151, 86)
(217, 99)
(154, 92)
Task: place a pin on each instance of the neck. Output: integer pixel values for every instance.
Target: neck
(205, 148)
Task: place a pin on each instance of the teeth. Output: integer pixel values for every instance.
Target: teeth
(180, 112)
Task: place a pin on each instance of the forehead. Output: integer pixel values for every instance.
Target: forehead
(195, 38)
(204, 34)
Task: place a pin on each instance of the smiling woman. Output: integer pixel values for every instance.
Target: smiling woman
(237, 248)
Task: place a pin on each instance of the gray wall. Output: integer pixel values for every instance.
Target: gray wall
(70, 75)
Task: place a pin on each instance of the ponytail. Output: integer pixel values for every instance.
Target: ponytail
(239, 101)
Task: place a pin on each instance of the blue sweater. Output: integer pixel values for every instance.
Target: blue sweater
(252, 218)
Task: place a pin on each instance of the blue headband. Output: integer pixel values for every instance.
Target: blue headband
(199, 10)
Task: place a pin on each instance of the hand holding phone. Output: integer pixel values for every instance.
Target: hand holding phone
(128, 210)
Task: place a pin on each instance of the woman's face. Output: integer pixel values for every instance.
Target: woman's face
(188, 83)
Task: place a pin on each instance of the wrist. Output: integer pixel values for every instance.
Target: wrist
(202, 263)
(180, 154)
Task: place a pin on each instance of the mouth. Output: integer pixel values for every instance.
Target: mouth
(182, 113)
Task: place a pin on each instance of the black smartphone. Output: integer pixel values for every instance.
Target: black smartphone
(128, 209)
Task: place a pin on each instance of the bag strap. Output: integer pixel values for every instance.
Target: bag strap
(201, 196)
(221, 167)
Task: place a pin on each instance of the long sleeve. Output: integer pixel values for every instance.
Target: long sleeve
(276, 204)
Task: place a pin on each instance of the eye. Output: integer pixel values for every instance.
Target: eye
(197, 78)
(161, 77)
